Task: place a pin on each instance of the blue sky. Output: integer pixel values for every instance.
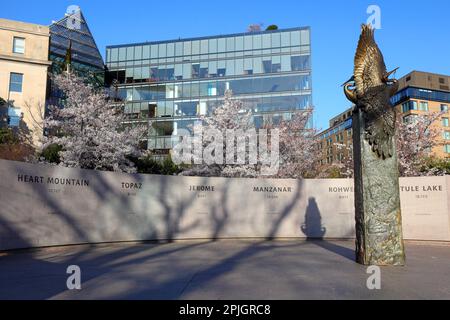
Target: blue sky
(415, 35)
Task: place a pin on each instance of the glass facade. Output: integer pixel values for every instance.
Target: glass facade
(416, 93)
(73, 31)
(174, 82)
(346, 125)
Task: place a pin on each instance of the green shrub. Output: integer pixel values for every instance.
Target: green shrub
(169, 167)
(151, 166)
(272, 27)
(51, 153)
(7, 136)
(437, 165)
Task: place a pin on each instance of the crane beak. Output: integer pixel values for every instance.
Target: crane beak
(349, 80)
(386, 77)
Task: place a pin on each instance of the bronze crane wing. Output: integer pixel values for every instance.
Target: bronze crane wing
(369, 63)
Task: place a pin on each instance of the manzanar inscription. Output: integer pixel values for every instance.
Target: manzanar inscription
(272, 189)
(53, 180)
(377, 194)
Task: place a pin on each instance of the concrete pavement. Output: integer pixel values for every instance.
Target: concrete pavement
(228, 269)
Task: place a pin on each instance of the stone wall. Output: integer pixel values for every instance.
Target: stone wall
(47, 205)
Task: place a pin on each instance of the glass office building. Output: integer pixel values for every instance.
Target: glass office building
(174, 82)
(73, 31)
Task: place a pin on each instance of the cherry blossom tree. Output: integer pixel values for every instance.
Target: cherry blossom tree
(342, 168)
(255, 27)
(92, 131)
(292, 144)
(231, 115)
(416, 138)
(298, 150)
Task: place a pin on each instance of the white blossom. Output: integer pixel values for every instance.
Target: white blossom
(91, 129)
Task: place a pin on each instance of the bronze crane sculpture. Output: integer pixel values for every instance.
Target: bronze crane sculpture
(377, 197)
(372, 92)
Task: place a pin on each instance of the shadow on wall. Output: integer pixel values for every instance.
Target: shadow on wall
(312, 228)
(315, 232)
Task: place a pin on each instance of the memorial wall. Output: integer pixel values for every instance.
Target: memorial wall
(45, 205)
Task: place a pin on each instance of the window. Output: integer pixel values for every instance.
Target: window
(19, 45)
(186, 108)
(447, 148)
(299, 63)
(248, 66)
(304, 40)
(411, 105)
(162, 50)
(239, 66)
(276, 42)
(257, 39)
(423, 106)
(15, 82)
(114, 54)
(204, 70)
(248, 43)
(266, 42)
(122, 54)
(204, 46)
(230, 68)
(276, 63)
(285, 63)
(295, 38)
(178, 71)
(146, 52)
(405, 107)
(170, 49)
(154, 51)
(221, 45)
(285, 39)
(445, 122)
(195, 47)
(257, 65)
(14, 116)
(446, 135)
(130, 53)
(444, 107)
(138, 53)
(221, 68)
(212, 46)
(239, 43)
(230, 44)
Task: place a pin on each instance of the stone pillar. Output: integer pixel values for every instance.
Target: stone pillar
(379, 238)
